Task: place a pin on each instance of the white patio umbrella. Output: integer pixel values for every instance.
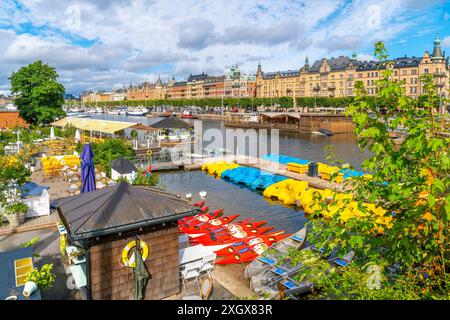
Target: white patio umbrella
(52, 134)
(77, 135)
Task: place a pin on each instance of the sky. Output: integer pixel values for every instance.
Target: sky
(108, 44)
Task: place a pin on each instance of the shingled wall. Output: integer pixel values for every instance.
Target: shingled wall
(110, 280)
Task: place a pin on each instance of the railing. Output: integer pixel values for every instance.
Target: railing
(439, 74)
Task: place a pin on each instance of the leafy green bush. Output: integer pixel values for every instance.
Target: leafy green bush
(410, 181)
(108, 150)
(44, 278)
(146, 179)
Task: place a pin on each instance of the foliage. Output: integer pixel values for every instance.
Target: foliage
(13, 168)
(39, 95)
(146, 179)
(11, 200)
(30, 243)
(108, 150)
(44, 278)
(410, 181)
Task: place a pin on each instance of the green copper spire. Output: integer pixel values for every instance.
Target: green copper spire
(437, 41)
(354, 55)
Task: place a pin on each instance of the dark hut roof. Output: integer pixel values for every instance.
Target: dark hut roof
(123, 166)
(143, 127)
(120, 208)
(172, 122)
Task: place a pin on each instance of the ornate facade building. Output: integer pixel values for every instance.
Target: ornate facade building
(147, 91)
(239, 85)
(336, 77)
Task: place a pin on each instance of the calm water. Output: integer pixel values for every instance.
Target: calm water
(305, 146)
(236, 199)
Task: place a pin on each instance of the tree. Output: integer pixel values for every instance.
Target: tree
(410, 181)
(39, 96)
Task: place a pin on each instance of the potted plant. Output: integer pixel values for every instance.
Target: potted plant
(43, 279)
(13, 206)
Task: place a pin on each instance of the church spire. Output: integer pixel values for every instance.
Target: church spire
(259, 72)
(437, 53)
(354, 55)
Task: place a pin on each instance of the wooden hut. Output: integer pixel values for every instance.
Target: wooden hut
(104, 224)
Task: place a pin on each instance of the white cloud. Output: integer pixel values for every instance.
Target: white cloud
(446, 42)
(136, 40)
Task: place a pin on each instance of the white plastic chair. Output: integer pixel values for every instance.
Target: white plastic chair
(191, 272)
(208, 263)
(205, 291)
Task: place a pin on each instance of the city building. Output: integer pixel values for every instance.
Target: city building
(335, 77)
(147, 91)
(239, 85)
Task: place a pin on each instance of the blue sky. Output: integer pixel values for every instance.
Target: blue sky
(107, 44)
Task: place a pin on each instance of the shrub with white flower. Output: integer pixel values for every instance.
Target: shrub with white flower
(13, 203)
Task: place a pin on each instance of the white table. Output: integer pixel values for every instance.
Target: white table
(194, 253)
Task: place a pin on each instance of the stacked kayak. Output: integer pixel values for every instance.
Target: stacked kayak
(270, 257)
(247, 250)
(247, 176)
(286, 274)
(266, 180)
(288, 190)
(217, 168)
(246, 239)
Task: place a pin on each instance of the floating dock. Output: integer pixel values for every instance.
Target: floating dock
(262, 164)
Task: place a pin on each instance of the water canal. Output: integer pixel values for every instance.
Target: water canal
(237, 199)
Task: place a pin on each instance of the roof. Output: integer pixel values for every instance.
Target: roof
(339, 63)
(123, 166)
(120, 208)
(105, 126)
(197, 77)
(143, 127)
(172, 122)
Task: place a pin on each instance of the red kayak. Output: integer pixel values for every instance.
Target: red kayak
(210, 223)
(200, 218)
(251, 242)
(197, 204)
(229, 237)
(244, 225)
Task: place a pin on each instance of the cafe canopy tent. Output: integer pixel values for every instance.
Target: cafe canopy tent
(120, 208)
(108, 127)
(172, 122)
(104, 126)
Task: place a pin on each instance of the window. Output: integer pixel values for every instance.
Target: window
(22, 267)
(376, 74)
(404, 72)
(395, 73)
(368, 82)
(341, 76)
(425, 70)
(350, 76)
(413, 71)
